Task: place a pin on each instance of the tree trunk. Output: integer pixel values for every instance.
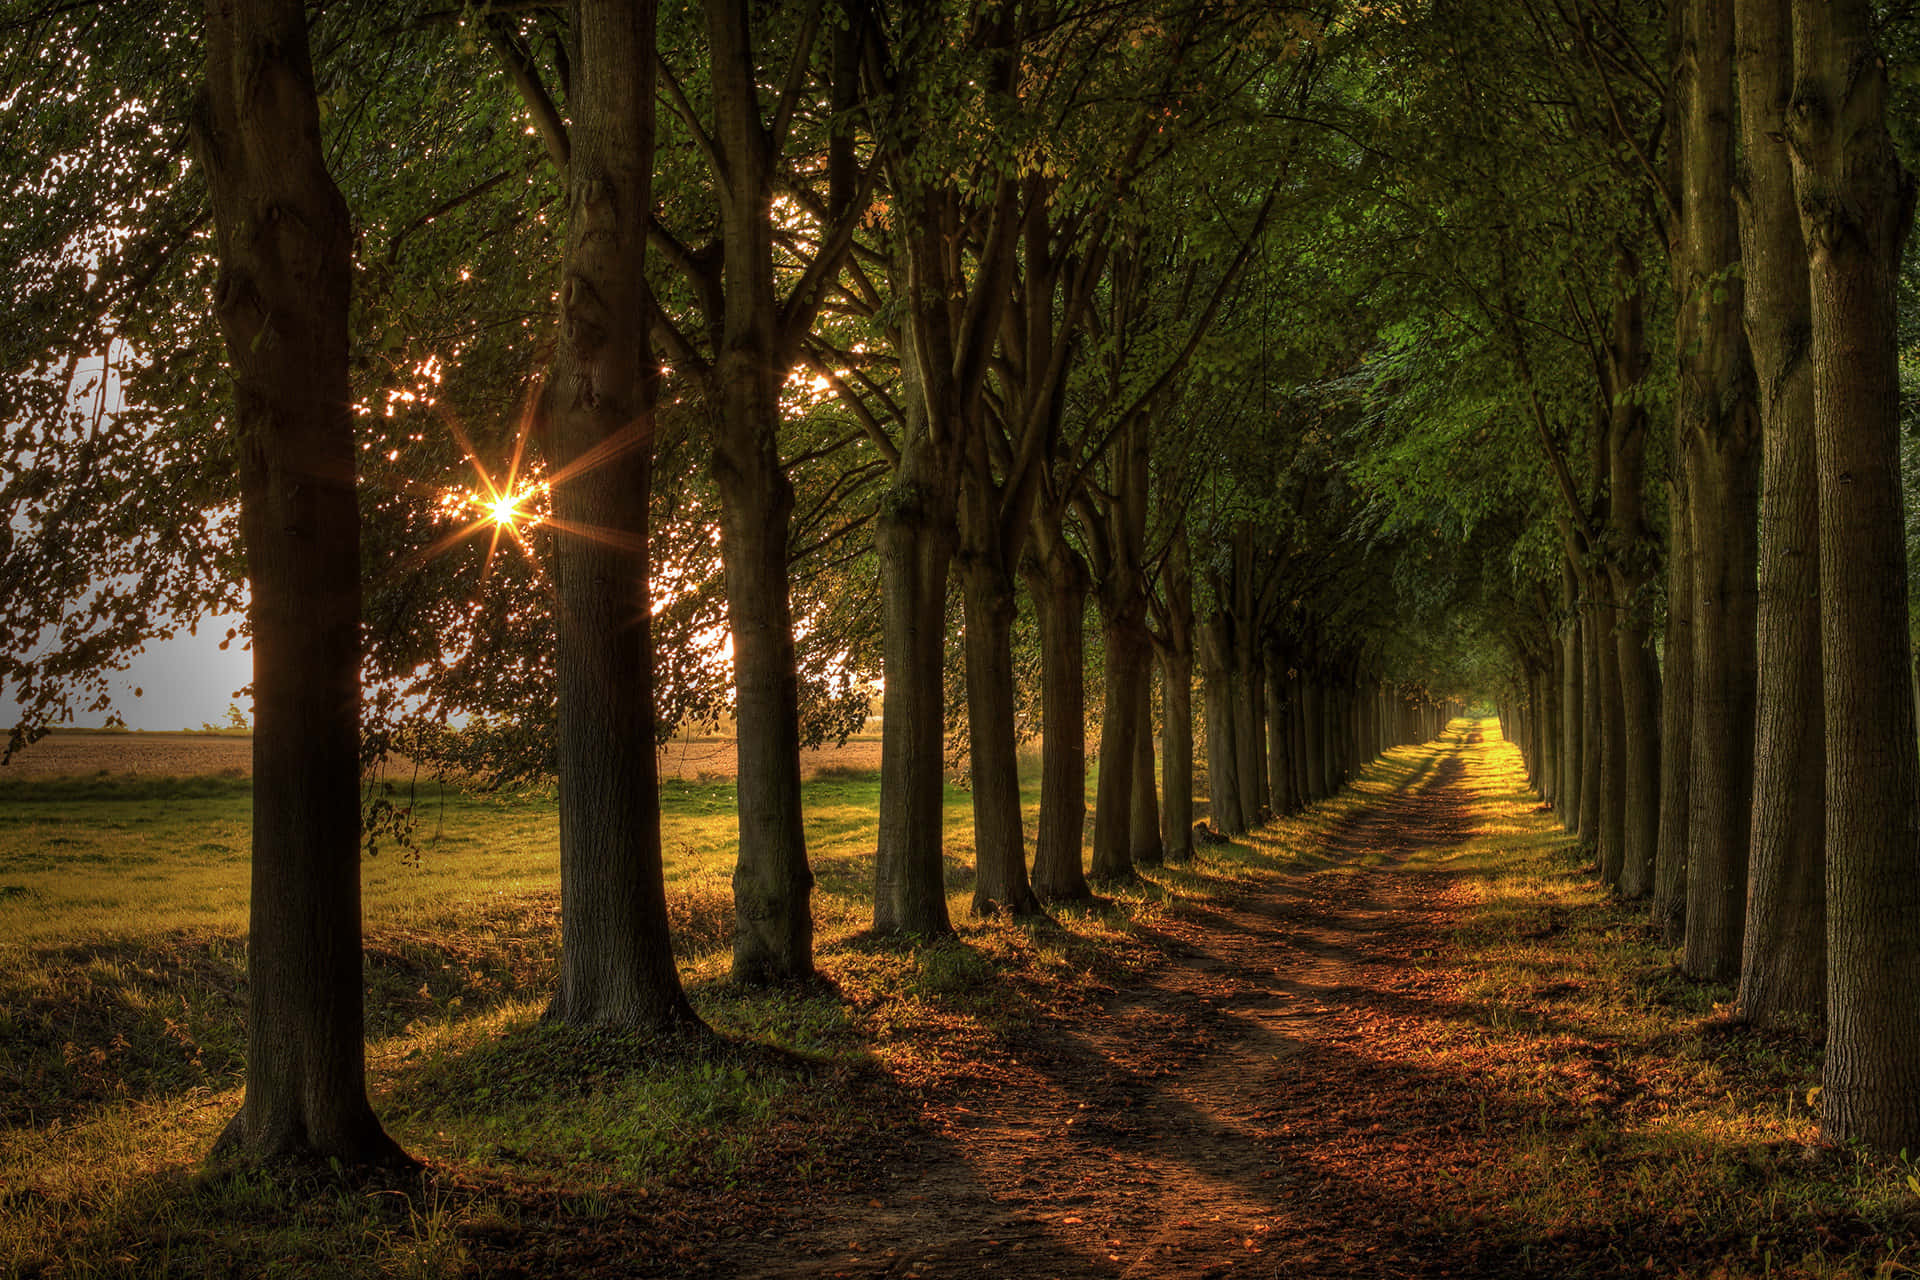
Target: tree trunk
(1176, 747)
(1279, 769)
(1129, 659)
(1571, 706)
(1856, 207)
(772, 883)
(1059, 589)
(1250, 743)
(284, 248)
(1223, 775)
(1592, 787)
(1676, 722)
(1000, 854)
(616, 959)
(1783, 978)
(1715, 414)
(915, 538)
(1147, 849)
(1612, 847)
(1631, 567)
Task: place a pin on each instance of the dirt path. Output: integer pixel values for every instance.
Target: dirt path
(1257, 1108)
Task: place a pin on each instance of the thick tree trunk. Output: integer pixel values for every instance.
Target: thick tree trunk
(1676, 723)
(915, 538)
(284, 249)
(1783, 977)
(772, 883)
(1297, 737)
(1856, 207)
(1716, 417)
(1000, 854)
(1059, 590)
(616, 962)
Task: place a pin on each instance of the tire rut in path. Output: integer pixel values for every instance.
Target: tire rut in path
(1225, 1115)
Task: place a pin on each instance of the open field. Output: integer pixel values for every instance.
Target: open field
(1401, 1034)
(80, 753)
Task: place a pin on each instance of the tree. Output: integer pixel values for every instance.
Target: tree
(1856, 209)
(595, 418)
(284, 247)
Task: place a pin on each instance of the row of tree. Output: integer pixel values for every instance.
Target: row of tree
(1314, 350)
(1739, 749)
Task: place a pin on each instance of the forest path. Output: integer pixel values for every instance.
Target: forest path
(1258, 1106)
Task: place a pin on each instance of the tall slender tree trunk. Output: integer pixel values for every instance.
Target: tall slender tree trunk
(1249, 723)
(1223, 773)
(1717, 416)
(1857, 207)
(1676, 722)
(1612, 846)
(1630, 569)
(1059, 589)
(1000, 854)
(1176, 745)
(772, 883)
(1279, 768)
(915, 538)
(1571, 706)
(1783, 977)
(283, 243)
(1147, 848)
(1129, 660)
(1592, 721)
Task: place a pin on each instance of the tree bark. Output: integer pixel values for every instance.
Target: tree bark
(1223, 773)
(1783, 977)
(1856, 206)
(1716, 415)
(1129, 659)
(1612, 847)
(1176, 747)
(1000, 854)
(283, 241)
(772, 882)
(597, 404)
(915, 537)
(1676, 722)
(1059, 588)
(1279, 769)
(1571, 707)
(1147, 850)
(1592, 722)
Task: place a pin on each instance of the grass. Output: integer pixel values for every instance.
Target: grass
(1617, 1097)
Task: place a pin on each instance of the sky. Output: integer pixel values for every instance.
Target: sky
(185, 682)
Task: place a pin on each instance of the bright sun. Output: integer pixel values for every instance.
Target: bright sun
(505, 509)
